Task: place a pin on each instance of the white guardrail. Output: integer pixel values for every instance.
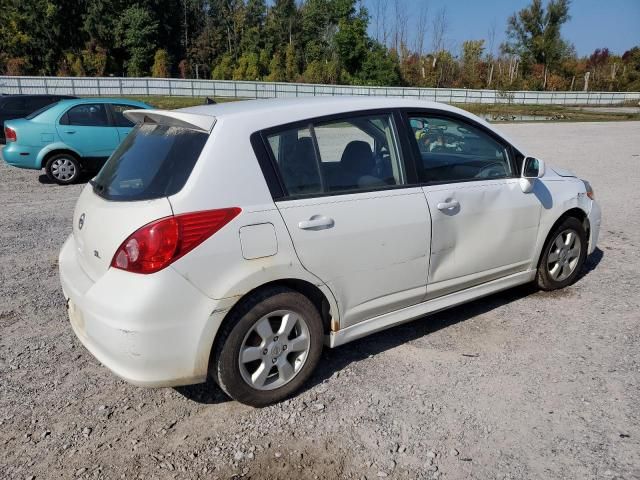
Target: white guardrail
(122, 86)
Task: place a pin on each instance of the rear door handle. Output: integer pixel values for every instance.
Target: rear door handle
(448, 205)
(69, 131)
(317, 222)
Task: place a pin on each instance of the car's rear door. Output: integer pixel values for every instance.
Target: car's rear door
(87, 129)
(123, 125)
(484, 226)
(354, 220)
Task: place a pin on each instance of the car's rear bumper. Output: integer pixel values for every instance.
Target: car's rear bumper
(21, 156)
(595, 219)
(151, 330)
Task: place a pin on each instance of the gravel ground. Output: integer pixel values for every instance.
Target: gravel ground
(523, 384)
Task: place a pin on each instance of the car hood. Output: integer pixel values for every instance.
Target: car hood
(563, 172)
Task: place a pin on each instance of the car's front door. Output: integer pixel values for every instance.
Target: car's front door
(483, 225)
(354, 222)
(86, 129)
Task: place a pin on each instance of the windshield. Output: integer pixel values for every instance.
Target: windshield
(39, 111)
(153, 161)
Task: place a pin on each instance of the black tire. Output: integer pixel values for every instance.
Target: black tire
(225, 365)
(544, 278)
(63, 168)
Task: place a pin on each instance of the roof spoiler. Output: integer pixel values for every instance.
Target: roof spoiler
(172, 118)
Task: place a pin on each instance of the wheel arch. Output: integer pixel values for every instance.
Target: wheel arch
(56, 151)
(320, 299)
(575, 212)
(314, 293)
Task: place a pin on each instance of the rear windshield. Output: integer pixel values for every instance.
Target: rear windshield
(154, 161)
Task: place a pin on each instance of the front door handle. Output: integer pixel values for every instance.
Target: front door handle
(317, 222)
(69, 131)
(448, 205)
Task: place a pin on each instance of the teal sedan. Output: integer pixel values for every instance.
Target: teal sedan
(69, 137)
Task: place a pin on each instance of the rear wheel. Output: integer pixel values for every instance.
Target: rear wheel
(63, 168)
(268, 347)
(563, 255)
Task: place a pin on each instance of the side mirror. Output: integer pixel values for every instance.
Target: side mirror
(532, 168)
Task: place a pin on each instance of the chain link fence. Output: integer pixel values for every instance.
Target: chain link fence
(124, 86)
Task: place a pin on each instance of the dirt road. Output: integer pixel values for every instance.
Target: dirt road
(519, 385)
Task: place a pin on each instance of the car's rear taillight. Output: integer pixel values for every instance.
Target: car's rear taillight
(158, 244)
(10, 134)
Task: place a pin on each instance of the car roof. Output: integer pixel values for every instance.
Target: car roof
(265, 113)
(254, 115)
(79, 101)
(309, 106)
(35, 95)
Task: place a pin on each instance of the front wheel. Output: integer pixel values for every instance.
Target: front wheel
(563, 256)
(268, 347)
(63, 168)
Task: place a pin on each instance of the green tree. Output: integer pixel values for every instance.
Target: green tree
(281, 25)
(253, 36)
(631, 75)
(95, 59)
(378, 68)
(534, 34)
(291, 63)
(161, 65)
(352, 42)
(224, 69)
(315, 72)
(472, 51)
(136, 33)
(277, 72)
(39, 31)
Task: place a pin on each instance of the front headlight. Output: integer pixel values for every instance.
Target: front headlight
(589, 189)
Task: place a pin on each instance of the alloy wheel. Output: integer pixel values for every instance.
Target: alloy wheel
(564, 255)
(275, 349)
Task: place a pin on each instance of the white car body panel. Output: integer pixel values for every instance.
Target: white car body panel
(392, 255)
(376, 255)
(492, 233)
(105, 225)
(408, 314)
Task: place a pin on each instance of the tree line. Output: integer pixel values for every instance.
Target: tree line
(314, 41)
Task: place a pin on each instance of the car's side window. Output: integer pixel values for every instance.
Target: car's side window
(295, 156)
(346, 155)
(118, 118)
(88, 115)
(455, 151)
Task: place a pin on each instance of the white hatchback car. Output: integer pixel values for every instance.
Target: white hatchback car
(234, 240)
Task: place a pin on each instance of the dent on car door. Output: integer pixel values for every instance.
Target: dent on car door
(352, 222)
(484, 225)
